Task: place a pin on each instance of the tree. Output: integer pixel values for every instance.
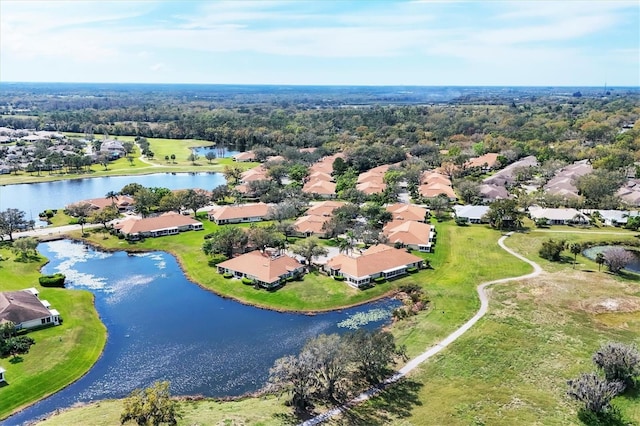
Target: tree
(80, 211)
(104, 216)
(293, 374)
(193, 157)
(12, 220)
(166, 158)
(277, 172)
(24, 246)
(504, 214)
(130, 159)
(331, 375)
(286, 228)
(195, 199)
(575, 249)
(232, 173)
(309, 248)
(339, 166)
(144, 200)
(113, 196)
(131, 189)
(619, 362)
(438, 205)
(469, 191)
(219, 193)
(297, 172)
(225, 240)
(600, 260)
(552, 249)
(282, 211)
(262, 237)
(617, 258)
(594, 392)
(210, 156)
(150, 406)
(173, 158)
(373, 352)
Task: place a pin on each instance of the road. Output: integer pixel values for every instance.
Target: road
(48, 232)
(415, 362)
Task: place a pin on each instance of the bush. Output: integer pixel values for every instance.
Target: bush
(227, 275)
(120, 237)
(217, 258)
(551, 250)
(379, 280)
(55, 280)
(619, 362)
(246, 280)
(412, 270)
(338, 277)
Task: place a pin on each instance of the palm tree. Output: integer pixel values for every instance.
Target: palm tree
(600, 260)
(575, 248)
(113, 196)
(345, 245)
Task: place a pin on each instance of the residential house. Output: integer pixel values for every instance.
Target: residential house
(245, 156)
(558, 216)
(123, 203)
(433, 190)
(486, 162)
(170, 223)
(471, 214)
(265, 269)
(614, 217)
(321, 188)
(372, 181)
(112, 148)
(324, 208)
(409, 233)
(306, 226)
(325, 164)
(508, 175)
(630, 192)
(254, 174)
(26, 310)
(490, 192)
(241, 213)
(2, 371)
(377, 261)
(371, 187)
(563, 183)
(405, 211)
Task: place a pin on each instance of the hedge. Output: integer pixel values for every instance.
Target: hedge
(338, 277)
(380, 279)
(55, 280)
(227, 275)
(412, 270)
(246, 280)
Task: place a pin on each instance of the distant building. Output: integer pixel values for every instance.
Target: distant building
(471, 214)
(26, 310)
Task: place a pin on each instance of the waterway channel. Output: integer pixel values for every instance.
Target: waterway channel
(163, 327)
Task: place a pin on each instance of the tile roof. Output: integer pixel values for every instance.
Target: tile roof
(265, 268)
(404, 211)
(490, 159)
(371, 187)
(122, 201)
(257, 173)
(136, 225)
(245, 156)
(432, 190)
(320, 187)
(311, 223)
(240, 211)
(21, 306)
(374, 260)
(407, 232)
(324, 208)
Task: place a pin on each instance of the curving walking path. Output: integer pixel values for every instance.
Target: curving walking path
(415, 362)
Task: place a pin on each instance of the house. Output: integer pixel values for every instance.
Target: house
(404, 211)
(241, 213)
(245, 156)
(265, 269)
(252, 175)
(112, 148)
(26, 310)
(123, 203)
(166, 224)
(306, 226)
(433, 190)
(470, 214)
(486, 162)
(509, 174)
(630, 192)
(325, 164)
(371, 187)
(377, 261)
(434, 177)
(563, 183)
(614, 217)
(321, 188)
(409, 233)
(2, 371)
(491, 192)
(558, 216)
(324, 208)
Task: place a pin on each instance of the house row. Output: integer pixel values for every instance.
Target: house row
(434, 184)
(320, 181)
(558, 216)
(312, 223)
(372, 181)
(410, 234)
(563, 183)
(470, 214)
(135, 228)
(495, 186)
(240, 213)
(26, 310)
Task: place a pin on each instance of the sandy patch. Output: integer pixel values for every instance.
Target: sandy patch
(605, 305)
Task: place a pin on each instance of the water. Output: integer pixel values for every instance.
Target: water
(220, 152)
(593, 251)
(36, 197)
(163, 327)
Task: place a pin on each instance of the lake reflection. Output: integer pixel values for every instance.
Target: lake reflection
(592, 252)
(163, 327)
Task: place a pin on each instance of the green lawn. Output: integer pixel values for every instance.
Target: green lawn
(61, 354)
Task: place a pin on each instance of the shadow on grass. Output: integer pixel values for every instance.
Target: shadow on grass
(396, 401)
(612, 417)
(16, 359)
(3, 384)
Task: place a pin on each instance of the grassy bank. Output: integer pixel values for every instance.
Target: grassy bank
(61, 354)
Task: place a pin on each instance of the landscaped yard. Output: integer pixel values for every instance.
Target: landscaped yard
(61, 354)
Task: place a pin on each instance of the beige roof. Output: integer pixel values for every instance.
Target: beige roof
(311, 223)
(245, 156)
(489, 159)
(262, 266)
(136, 225)
(321, 187)
(374, 260)
(324, 208)
(434, 189)
(21, 306)
(100, 203)
(435, 177)
(403, 211)
(407, 232)
(321, 176)
(257, 173)
(240, 211)
(325, 165)
(371, 187)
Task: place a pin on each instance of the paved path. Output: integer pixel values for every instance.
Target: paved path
(415, 362)
(58, 230)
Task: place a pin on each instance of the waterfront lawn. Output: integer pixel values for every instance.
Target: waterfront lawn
(61, 354)
(512, 367)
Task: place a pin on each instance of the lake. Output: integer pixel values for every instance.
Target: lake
(34, 198)
(222, 152)
(163, 327)
(593, 251)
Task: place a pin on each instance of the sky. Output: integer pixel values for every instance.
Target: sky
(420, 42)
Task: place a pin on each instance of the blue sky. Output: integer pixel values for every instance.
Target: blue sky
(362, 42)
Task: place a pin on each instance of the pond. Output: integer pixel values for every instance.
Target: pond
(163, 327)
(221, 152)
(592, 252)
(34, 198)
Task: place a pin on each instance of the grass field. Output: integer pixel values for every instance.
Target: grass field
(61, 354)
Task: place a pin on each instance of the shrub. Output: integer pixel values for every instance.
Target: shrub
(217, 258)
(246, 280)
(379, 280)
(55, 280)
(227, 275)
(120, 237)
(412, 270)
(594, 392)
(552, 249)
(619, 362)
(338, 277)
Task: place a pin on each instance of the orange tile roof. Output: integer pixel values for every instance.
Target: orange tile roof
(324, 208)
(434, 189)
(321, 176)
(100, 203)
(320, 187)
(311, 223)
(402, 211)
(262, 266)
(149, 224)
(245, 156)
(435, 177)
(374, 260)
(489, 159)
(407, 232)
(325, 164)
(257, 173)
(371, 187)
(240, 211)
